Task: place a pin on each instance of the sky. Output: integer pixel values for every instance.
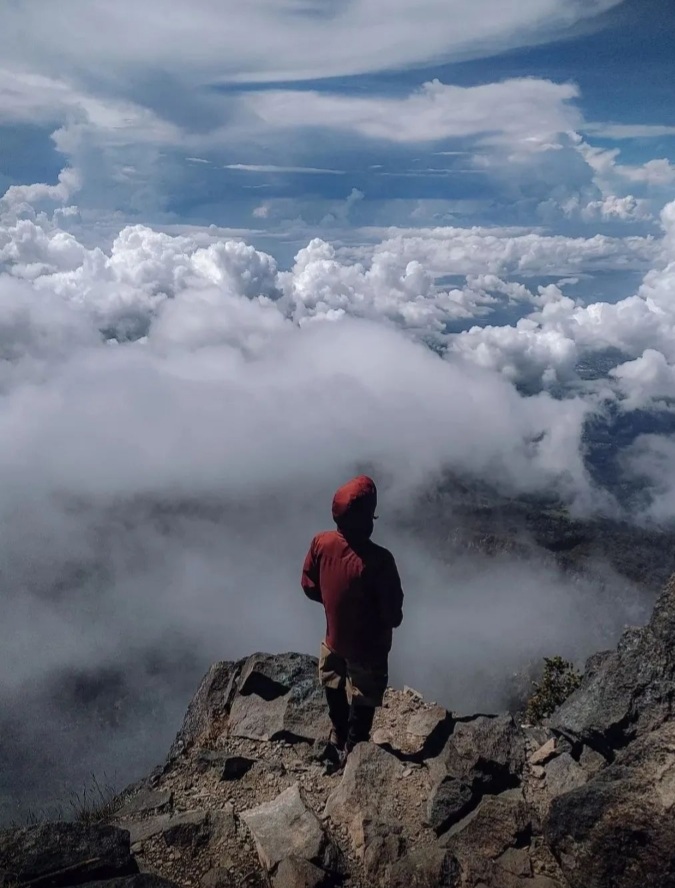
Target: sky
(247, 250)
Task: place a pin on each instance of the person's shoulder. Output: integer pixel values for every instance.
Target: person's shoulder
(325, 539)
(381, 553)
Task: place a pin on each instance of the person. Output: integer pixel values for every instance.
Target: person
(359, 586)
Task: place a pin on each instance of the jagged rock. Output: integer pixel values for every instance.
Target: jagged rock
(187, 829)
(367, 790)
(483, 756)
(279, 698)
(544, 753)
(427, 868)
(140, 880)
(564, 774)
(145, 802)
(208, 707)
(294, 872)
(286, 828)
(486, 749)
(218, 877)
(626, 692)
(450, 800)
(492, 845)
(618, 830)
(427, 731)
(61, 854)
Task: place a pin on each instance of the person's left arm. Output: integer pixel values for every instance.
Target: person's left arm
(311, 576)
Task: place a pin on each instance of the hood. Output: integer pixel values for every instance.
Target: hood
(357, 495)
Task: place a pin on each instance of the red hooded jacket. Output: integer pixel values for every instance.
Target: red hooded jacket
(356, 581)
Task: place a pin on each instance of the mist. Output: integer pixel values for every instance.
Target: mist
(171, 436)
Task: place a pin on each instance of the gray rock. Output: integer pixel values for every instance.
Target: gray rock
(218, 877)
(60, 854)
(147, 801)
(367, 790)
(140, 880)
(563, 774)
(428, 729)
(284, 828)
(279, 698)
(208, 708)
(294, 872)
(187, 829)
(629, 691)
(618, 830)
(427, 868)
(492, 845)
(484, 755)
(486, 750)
(450, 800)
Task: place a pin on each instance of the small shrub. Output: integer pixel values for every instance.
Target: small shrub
(97, 803)
(560, 679)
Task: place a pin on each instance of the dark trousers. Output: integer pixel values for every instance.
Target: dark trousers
(352, 723)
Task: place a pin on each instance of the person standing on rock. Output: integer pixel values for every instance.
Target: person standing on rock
(358, 584)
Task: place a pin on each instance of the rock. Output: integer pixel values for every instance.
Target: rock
(145, 802)
(618, 830)
(279, 698)
(218, 877)
(544, 753)
(564, 774)
(485, 750)
(428, 868)
(483, 756)
(60, 854)
(627, 692)
(285, 827)
(427, 731)
(591, 761)
(367, 790)
(187, 829)
(383, 737)
(208, 707)
(294, 872)
(140, 880)
(450, 800)
(411, 692)
(492, 845)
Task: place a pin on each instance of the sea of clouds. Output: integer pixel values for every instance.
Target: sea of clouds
(177, 411)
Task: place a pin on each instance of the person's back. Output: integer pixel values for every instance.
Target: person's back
(358, 584)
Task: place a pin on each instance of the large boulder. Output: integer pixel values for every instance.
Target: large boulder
(629, 691)
(59, 854)
(285, 829)
(208, 708)
(492, 846)
(279, 697)
(618, 830)
(483, 756)
(367, 792)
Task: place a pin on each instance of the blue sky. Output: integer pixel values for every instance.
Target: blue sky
(226, 117)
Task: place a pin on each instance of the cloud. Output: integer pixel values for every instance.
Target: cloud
(177, 412)
(544, 345)
(620, 131)
(527, 111)
(271, 168)
(212, 41)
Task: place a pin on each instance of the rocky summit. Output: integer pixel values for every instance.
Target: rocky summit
(436, 800)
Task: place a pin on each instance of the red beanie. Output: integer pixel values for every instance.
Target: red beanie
(358, 494)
